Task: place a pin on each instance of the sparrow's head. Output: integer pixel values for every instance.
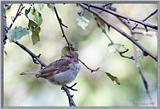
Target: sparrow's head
(72, 55)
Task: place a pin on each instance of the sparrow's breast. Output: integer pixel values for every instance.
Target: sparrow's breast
(75, 67)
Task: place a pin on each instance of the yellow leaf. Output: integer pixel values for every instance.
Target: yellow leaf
(64, 51)
(113, 78)
(100, 22)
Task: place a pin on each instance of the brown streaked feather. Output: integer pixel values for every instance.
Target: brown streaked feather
(59, 63)
(48, 70)
(54, 68)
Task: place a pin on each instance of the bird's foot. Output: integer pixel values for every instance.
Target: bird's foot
(71, 87)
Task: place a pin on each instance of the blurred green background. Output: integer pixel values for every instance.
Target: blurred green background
(94, 89)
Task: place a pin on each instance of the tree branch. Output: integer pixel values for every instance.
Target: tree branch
(134, 28)
(61, 26)
(121, 53)
(92, 70)
(120, 31)
(65, 88)
(124, 17)
(35, 58)
(69, 44)
(141, 72)
(150, 15)
(71, 102)
(70, 97)
(18, 13)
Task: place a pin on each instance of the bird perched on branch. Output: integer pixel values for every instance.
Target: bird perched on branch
(61, 71)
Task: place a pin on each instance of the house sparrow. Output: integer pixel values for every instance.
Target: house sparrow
(61, 71)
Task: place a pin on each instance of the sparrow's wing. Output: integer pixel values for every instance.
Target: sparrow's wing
(60, 62)
(54, 68)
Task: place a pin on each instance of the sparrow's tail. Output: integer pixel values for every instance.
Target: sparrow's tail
(31, 73)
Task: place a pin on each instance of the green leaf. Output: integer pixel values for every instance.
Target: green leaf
(82, 22)
(110, 44)
(8, 6)
(50, 5)
(113, 78)
(5, 52)
(100, 22)
(64, 51)
(35, 36)
(27, 11)
(34, 15)
(35, 31)
(35, 20)
(16, 33)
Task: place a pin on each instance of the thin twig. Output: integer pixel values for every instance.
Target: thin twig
(71, 87)
(18, 13)
(141, 72)
(150, 15)
(124, 17)
(103, 30)
(61, 26)
(121, 53)
(71, 102)
(92, 70)
(35, 58)
(65, 87)
(131, 25)
(70, 97)
(120, 31)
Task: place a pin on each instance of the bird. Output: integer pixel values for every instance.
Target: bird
(61, 71)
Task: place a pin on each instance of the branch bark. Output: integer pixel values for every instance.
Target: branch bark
(61, 26)
(35, 58)
(70, 97)
(18, 13)
(124, 17)
(120, 31)
(141, 73)
(135, 49)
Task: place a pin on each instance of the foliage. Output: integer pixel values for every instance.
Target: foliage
(113, 78)
(35, 20)
(16, 33)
